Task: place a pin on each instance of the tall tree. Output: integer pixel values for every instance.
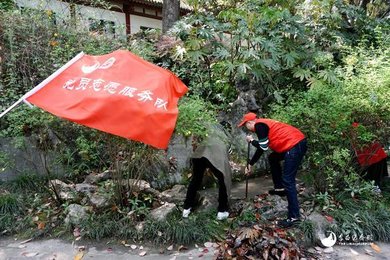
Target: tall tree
(171, 13)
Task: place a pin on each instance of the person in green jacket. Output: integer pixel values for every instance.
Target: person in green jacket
(212, 153)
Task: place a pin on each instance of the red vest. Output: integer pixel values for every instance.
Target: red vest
(282, 137)
(370, 154)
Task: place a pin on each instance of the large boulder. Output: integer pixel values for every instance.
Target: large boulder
(100, 201)
(94, 178)
(65, 191)
(175, 195)
(76, 214)
(162, 212)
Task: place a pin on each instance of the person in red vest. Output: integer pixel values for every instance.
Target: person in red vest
(288, 144)
(372, 160)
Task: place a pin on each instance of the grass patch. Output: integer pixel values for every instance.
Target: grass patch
(307, 228)
(10, 204)
(359, 219)
(26, 182)
(198, 228)
(108, 224)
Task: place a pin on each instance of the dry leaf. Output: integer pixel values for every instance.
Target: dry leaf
(181, 248)
(76, 232)
(354, 252)
(329, 218)
(369, 252)
(208, 244)
(265, 254)
(30, 254)
(250, 233)
(241, 251)
(41, 225)
(375, 247)
(79, 255)
(143, 253)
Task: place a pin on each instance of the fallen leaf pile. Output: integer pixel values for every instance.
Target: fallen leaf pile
(259, 242)
(261, 239)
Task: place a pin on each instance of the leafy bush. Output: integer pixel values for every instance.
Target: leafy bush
(325, 114)
(194, 115)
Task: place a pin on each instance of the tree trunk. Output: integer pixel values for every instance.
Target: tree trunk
(170, 13)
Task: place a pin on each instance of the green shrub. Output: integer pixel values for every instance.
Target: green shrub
(194, 116)
(307, 228)
(10, 204)
(362, 218)
(26, 182)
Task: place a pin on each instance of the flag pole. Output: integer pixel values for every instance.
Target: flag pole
(43, 83)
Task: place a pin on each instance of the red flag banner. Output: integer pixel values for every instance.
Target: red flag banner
(118, 93)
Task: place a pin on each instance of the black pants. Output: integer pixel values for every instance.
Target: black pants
(376, 172)
(286, 179)
(199, 166)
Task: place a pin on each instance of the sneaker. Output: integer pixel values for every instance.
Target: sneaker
(279, 192)
(289, 222)
(186, 212)
(222, 215)
(376, 190)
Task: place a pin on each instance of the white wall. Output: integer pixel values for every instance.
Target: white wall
(61, 9)
(85, 12)
(137, 21)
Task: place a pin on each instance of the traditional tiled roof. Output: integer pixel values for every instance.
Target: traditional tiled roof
(183, 3)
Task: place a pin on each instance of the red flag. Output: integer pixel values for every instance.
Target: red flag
(118, 93)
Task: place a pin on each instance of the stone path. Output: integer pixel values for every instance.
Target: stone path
(56, 249)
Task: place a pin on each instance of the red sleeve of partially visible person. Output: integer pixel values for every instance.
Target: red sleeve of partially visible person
(369, 154)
